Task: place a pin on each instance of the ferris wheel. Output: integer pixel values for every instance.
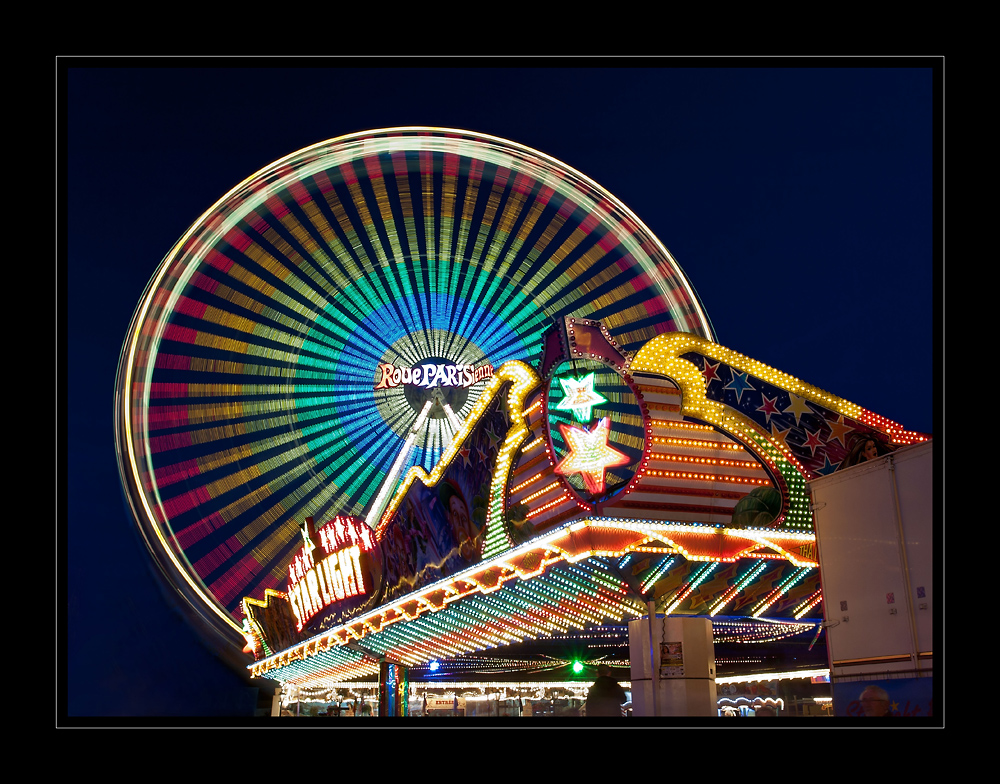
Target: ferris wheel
(259, 383)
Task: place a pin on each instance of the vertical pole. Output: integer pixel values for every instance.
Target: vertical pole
(654, 673)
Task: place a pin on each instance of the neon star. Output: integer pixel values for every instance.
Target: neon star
(249, 637)
(580, 397)
(590, 455)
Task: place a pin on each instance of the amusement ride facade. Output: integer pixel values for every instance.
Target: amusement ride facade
(412, 394)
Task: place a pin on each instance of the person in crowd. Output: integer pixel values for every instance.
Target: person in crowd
(875, 702)
(606, 696)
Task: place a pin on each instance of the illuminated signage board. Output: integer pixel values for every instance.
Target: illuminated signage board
(329, 568)
(432, 374)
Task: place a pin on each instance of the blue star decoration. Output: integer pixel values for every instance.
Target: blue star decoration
(828, 467)
(740, 384)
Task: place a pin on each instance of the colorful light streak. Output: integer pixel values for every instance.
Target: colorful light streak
(692, 585)
(738, 586)
(655, 575)
(808, 604)
(781, 590)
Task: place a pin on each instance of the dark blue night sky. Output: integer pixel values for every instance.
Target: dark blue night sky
(799, 196)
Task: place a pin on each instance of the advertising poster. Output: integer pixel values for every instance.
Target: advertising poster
(671, 660)
(897, 697)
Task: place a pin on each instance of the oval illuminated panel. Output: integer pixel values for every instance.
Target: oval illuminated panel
(246, 396)
(594, 419)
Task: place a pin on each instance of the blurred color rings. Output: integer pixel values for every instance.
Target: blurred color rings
(245, 396)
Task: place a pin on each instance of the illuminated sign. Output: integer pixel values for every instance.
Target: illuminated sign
(312, 586)
(432, 374)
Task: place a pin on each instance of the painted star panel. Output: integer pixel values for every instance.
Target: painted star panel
(818, 437)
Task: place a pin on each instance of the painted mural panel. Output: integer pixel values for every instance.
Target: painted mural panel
(439, 530)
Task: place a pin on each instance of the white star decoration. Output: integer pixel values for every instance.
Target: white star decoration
(580, 397)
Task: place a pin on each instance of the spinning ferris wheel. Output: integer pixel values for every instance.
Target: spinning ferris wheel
(260, 380)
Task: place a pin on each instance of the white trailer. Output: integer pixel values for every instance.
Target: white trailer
(875, 533)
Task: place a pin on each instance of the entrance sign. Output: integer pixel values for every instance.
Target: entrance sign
(432, 374)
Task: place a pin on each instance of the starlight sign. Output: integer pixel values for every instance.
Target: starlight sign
(590, 454)
(329, 569)
(580, 397)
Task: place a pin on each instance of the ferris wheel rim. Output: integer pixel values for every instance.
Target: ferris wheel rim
(394, 131)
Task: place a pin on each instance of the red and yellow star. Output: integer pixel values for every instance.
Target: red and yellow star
(590, 455)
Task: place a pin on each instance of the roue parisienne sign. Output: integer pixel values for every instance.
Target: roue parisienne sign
(432, 374)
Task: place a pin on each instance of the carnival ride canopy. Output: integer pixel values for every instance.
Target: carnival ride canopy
(252, 391)
(685, 540)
